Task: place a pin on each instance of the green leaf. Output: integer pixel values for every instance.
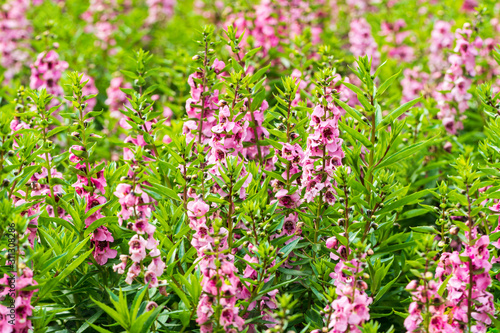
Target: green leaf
(259, 74)
(404, 153)
(387, 84)
(99, 222)
(275, 176)
(98, 329)
(425, 229)
(56, 130)
(137, 302)
(51, 284)
(240, 183)
(62, 222)
(409, 199)
(144, 322)
(351, 111)
(443, 285)
(112, 313)
(289, 247)
(181, 294)
(160, 191)
(90, 321)
(293, 272)
(397, 247)
(257, 100)
(129, 74)
(355, 134)
(386, 288)
(398, 112)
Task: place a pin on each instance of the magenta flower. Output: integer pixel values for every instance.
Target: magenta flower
(288, 200)
(137, 248)
(197, 208)
(362, 42)
(46, 73)
(150, 279)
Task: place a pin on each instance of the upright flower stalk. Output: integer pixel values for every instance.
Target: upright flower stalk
(91, 184)
(136, 204)
(324, 147)
(204, 101)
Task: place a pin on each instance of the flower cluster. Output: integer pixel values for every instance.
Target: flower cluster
(350, 309)
(441, 39)
(427, 311)
(255, 131)
(470, 278)
(100, 17)
(362, 41)
(323, 154)
(415, 82)
(22, 304)
(117, 99)
(46, 73)
(456, 84)
(39, 186)
(262, 28)
(15, 28)
(90, 89)
(135, 211)
(395, 35)
(220, 282)
(159, 10)
(92, 189)
(202, 105)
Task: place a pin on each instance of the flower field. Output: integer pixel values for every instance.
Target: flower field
(322, 166)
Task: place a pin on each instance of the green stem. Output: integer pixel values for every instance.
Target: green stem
(204, 83)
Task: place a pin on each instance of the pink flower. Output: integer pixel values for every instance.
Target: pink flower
(101, 239)
(362, 42)
(157, 266)
(288, 200)
(133, 272)
(89, 89)
(197, 208)
(159, 10)
(151, 306)
(99, 17)
(150, 279)
(15, 31)
(137, 248)
(72, 157)
(331, 242)
(120, 268)
(218, 65)
(46, 72)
